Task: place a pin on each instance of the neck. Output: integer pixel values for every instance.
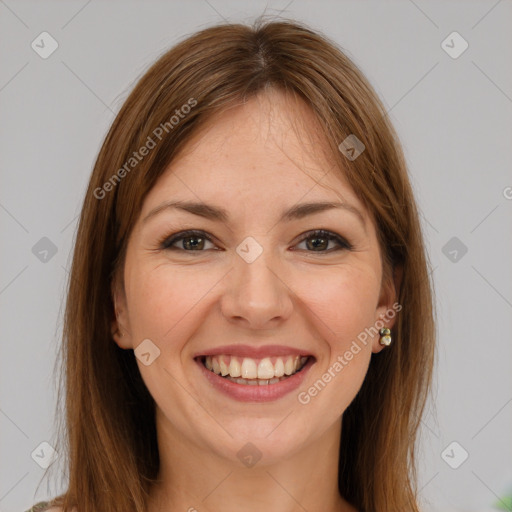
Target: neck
(193, 479)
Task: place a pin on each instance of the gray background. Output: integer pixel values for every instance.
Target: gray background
(453, 117)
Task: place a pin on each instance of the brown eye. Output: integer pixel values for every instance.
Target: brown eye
(189, 241)
(318, 241)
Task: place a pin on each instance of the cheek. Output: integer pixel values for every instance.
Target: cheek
(343, 303)
(161, 298)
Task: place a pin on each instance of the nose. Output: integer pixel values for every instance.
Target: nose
(256, 294)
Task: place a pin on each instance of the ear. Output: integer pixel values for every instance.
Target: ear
(120, 324)
(388, 307)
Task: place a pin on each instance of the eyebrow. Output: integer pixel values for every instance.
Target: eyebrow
(219, 214)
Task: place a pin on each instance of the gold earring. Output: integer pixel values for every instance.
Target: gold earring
(385, 337)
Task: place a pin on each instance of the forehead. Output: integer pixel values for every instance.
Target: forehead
(268, 150)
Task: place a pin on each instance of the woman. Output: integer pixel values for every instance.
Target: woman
(249, 321)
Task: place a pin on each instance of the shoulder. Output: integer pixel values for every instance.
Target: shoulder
(44, 506)
(40, 507)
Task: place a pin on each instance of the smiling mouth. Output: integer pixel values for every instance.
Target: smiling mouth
(255, 372)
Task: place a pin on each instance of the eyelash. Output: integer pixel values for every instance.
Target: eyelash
(167, 242)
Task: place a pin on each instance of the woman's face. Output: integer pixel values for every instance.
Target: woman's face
(253, 287)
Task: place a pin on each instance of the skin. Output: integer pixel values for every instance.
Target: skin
(255, 160)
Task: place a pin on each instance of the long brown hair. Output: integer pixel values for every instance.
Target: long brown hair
(109, 427)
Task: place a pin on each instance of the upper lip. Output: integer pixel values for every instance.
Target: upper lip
(253, 352)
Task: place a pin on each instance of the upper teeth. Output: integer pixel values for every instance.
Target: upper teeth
(248, 368)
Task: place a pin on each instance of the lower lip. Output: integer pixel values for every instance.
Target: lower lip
(256, 393)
